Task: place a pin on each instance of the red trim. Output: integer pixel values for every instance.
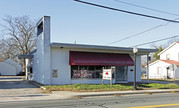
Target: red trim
(100, 59)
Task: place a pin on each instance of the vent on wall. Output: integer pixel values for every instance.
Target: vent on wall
(54, 73)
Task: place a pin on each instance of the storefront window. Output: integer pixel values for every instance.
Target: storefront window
(87, 72)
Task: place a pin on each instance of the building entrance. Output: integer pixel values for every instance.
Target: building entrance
(121, 73)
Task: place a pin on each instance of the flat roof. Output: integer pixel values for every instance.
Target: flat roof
(100, 47)
(94, 47)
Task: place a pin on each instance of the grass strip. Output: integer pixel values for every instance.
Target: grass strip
(106, 87)
(89, 87)
(159, 86)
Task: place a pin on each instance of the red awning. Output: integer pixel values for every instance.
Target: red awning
(100, 59)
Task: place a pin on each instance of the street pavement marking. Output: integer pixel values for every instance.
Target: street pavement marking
(155, 106)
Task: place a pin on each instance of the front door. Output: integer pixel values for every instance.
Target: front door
(121, 73)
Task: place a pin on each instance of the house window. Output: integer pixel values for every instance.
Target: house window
(54, 73)
(168, 57)
(159, 69)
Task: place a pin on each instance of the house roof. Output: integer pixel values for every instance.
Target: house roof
(153, 63)
(100, 47)
(167, 48)
(171, 62)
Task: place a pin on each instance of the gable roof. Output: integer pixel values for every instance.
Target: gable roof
(168, 48)
(166, 61)
(153, 63)
(171, 62)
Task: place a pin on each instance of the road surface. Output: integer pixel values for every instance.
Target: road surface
(132, 101)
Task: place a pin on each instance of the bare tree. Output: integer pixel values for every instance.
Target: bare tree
(169, 42)
(20, 36)
(22, 31)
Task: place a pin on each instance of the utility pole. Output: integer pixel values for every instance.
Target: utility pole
(135, 50)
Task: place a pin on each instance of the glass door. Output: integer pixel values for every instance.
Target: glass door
(121, 73)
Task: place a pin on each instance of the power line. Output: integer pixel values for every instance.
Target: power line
(146, 8)
(140, 33)
(135, 34)
(157, 40)
(129, 12)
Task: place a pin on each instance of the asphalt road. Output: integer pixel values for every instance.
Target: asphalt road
(134, 101)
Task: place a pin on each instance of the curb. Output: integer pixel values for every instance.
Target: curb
(43, 88)
(37, 85)
(128, 93)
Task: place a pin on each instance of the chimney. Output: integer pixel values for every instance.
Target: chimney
(43, 50)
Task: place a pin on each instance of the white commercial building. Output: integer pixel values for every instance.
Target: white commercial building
(61, 63)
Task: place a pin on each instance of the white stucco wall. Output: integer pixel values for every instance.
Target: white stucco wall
(35, 72)
(60, 62)
(172, 51)
(7, 69)
(138, 70)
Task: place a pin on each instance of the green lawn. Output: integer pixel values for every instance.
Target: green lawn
(106, 87)
(159, 86)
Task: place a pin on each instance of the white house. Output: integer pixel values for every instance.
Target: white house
(62, 63)
(168, 65)
(9, 67)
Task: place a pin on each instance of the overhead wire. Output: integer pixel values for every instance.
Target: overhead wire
(139, 33)
(134, 13)
(156, 41)
(146, 8)
(135, 35)
(124, 11)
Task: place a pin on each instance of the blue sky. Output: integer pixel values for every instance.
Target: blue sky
(73, 21)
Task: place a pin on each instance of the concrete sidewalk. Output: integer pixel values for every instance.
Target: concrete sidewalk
(30, 97)
(71, 95)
